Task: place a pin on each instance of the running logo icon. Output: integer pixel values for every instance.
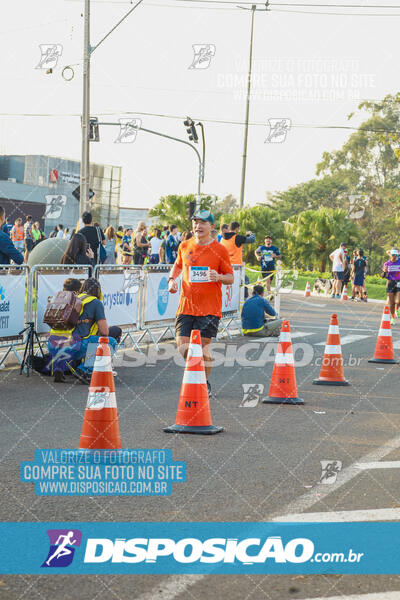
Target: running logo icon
(203, 53)
(278, 129)
(62, 547)
(50, 54)
(252, 393)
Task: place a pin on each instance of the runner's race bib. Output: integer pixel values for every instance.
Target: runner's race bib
(199, 274)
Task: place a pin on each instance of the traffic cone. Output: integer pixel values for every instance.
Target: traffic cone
(193, 414)
(307, 291)
(332, 363)
(283, 387)
(384, 345)
(100, 424)
(344, 293)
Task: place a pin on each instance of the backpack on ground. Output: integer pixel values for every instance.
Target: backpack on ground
(63, 311)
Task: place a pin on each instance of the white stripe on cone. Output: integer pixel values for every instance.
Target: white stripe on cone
(194, 377)
(385, 332)
(333, 329)
(195, 350)
(102, 364)
(99, 400)
(284, 358)
(285, 336)
(333, 349)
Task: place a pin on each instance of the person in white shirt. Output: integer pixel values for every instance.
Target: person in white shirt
(60, 233)
(338, 265)
(155, 244)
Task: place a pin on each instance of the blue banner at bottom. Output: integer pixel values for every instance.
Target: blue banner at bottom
(199, 548)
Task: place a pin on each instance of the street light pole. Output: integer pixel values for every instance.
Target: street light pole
(85, 159)
(87, 53)
(200, 177)
(246, 126)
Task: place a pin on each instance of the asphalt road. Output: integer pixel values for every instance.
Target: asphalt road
(265, 465)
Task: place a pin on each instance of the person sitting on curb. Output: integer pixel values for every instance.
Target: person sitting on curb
(253, 316)
(77, 347)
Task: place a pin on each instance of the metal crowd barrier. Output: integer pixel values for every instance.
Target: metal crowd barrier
(135, 298)
(122, 287)
(13, 301)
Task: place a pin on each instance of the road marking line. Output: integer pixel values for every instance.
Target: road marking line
(181, 583)
(347, 339)
(297, 334)
(379, 596)
(396, 345)
(311, 304)
(390, 464)
(346, 516)
(308, 499)
(341, 328)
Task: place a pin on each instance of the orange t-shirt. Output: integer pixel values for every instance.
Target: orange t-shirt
(205, 298)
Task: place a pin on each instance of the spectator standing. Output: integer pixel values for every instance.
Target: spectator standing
(67, 233)
(111, 240)
(140, 244)
(266, 254)
(126, 247)
(7, 249)
(358, 275)
(171, 245)
(54, 233)
(60, 231)
(120, 235)
(233, 242)
(92, 234)
(155, 244)
(338, 265)
(163, 245)
(17, 235)
(224, 229)
(37, 234)
(28, 237)
(7, 226)
(78, 252)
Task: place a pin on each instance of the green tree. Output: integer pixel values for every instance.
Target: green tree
(172, 210)
(331, 191)
(313, 234)
(261, 220)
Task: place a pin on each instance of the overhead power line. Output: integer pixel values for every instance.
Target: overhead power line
(205, 120)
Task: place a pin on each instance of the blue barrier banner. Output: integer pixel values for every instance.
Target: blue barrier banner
(130, 472)
(199, 548)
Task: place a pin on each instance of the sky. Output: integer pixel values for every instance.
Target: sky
(310, 70)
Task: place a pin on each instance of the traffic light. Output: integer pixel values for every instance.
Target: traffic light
(94, 134)
(191, 130)
(190, 208)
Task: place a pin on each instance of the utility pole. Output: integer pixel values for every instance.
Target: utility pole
(84, 183)
(87, 53)
(246, 125)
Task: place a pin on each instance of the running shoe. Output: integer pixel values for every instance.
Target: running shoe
(338, 296)
(397, 312)
(392, 321)
(333, 296)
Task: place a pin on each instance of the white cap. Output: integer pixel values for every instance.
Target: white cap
(394, 251)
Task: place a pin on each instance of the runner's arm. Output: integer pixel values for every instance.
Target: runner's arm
(225, 278)
(173, 276)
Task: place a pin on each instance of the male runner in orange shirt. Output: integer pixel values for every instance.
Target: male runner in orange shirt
(205, 265)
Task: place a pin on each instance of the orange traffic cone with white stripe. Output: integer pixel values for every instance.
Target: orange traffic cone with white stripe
(307, 291)
(332, 363)
(384, 344)
(283, 387)
(344, 293)
(100, 424)
(193, 414)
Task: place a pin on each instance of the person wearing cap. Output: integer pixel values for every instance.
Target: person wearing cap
(205, 266)
(338, 259)
(391, 271)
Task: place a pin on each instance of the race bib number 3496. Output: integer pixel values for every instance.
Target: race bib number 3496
(199, 274)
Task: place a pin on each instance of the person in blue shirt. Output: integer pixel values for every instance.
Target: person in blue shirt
(7, 226)
(7, 249)
(224, 229)
(171, 245)
(267, 254)
(253, 316)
